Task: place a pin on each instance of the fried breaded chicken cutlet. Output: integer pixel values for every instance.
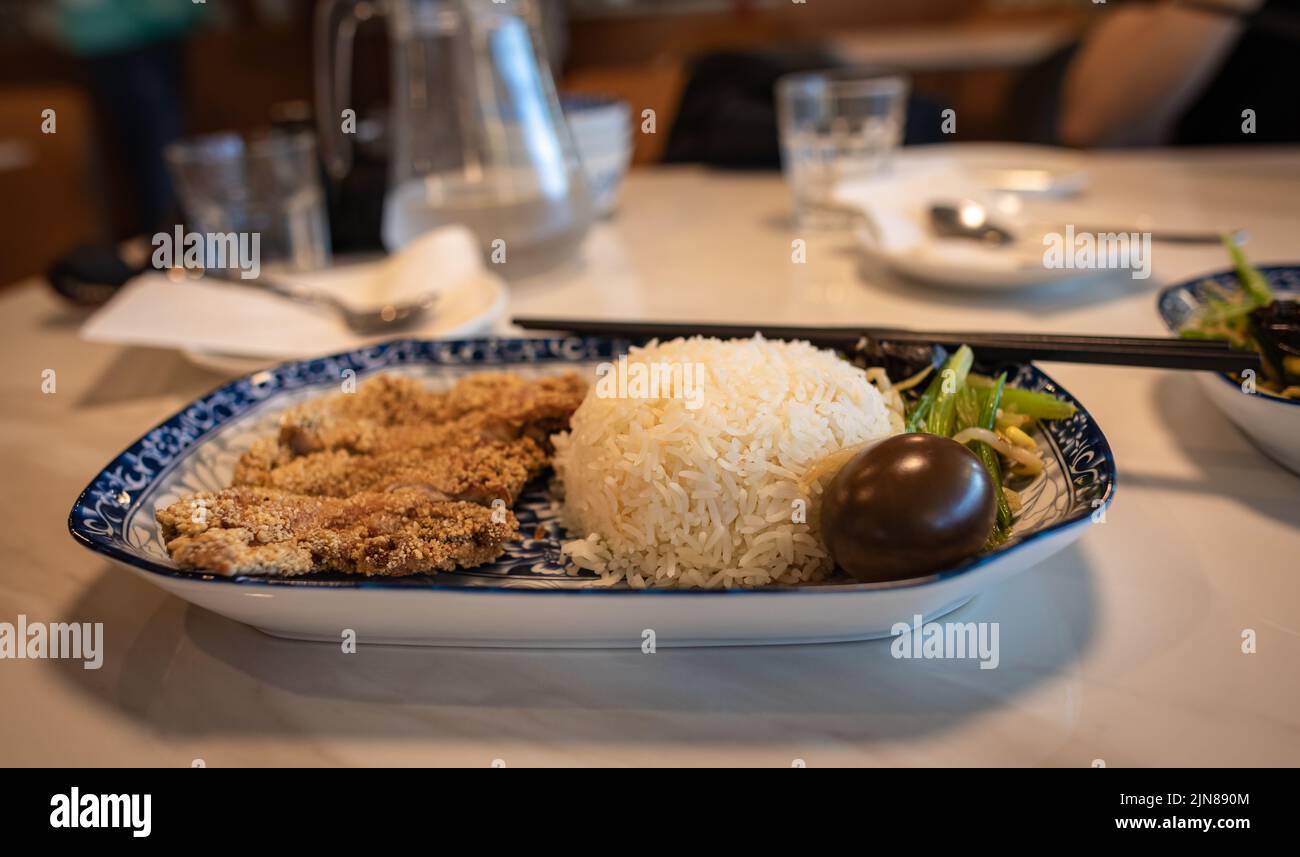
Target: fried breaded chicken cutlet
(476, 474)
(391, 479)
(482, 440)
(264, 531)
(487, 406)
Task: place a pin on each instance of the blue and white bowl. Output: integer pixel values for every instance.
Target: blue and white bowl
(602, 131)
(526, 598)
(1273, 423)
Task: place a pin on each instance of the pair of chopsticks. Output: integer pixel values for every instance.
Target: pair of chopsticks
(1154, 352)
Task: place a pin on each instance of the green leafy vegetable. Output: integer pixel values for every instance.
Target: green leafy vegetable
(1225, 318)
(991, 401)
(920, 418)
(957, 399)
(1039, 406)
(951, 380)
(1252, 281)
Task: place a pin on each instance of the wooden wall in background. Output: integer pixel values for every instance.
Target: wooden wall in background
(75, 189)
(49, 191)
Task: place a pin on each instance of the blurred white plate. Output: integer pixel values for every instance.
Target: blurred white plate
(896, 232)
(1023, 169)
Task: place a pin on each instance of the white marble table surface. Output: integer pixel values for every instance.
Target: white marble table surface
(1125, 648)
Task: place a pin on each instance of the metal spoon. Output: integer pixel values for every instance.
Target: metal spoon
(366, 322)
(969, 219)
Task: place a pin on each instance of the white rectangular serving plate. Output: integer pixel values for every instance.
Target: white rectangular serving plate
(526, 598)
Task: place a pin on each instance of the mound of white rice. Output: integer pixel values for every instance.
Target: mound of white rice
(703, 490)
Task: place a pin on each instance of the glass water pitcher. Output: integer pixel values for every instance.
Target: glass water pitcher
(476, 134)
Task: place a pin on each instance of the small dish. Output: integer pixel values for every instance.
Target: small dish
(1271, 422)
(1019, 168)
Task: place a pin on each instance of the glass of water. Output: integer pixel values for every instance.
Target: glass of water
(836, 125)
(263, 190)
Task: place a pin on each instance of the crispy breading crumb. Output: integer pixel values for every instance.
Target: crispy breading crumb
(392, 479)
(480, 441)
(489, 405)
(479, 474)
(265, 531)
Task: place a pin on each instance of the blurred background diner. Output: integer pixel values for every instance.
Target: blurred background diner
(95, 91)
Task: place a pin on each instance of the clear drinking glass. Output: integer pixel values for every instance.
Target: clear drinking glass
(267, 185)
(836, 125)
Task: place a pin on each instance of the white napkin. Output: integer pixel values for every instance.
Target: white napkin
(208, 315)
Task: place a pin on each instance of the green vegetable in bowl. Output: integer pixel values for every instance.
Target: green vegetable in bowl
(1252, 281)
(1254, 319)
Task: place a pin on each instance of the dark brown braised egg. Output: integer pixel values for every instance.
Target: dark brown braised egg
(906, 507)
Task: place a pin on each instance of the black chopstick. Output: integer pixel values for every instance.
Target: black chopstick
(1153, 352)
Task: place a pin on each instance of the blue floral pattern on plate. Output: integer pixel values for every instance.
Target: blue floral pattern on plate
(196, 450)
